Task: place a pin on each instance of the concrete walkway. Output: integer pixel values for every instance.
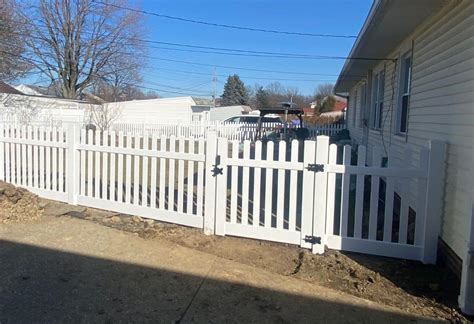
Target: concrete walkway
(71, 270)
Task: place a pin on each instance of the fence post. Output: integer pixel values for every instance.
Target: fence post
(210, 184)
(320, 194)
(221, 186)
(434, 200)
(72, 175)
(307, 208)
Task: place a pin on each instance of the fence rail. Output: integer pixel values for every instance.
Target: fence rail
(308, 193)
(231, 131)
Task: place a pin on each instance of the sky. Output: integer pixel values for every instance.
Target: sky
(340, 17)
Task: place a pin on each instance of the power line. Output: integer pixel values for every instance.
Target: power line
(201, 22)
(239, 52)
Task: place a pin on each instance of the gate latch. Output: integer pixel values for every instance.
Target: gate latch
(216, 170)
(315, 167)
(312, 239)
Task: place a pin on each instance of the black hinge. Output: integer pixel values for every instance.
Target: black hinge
(216, 170)
(315, 167)
(312, 239)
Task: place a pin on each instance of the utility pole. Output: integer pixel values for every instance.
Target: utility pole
(214, 83)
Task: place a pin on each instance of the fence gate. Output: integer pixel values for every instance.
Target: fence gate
(270, 193)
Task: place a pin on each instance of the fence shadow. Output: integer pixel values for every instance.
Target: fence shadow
(44, 285)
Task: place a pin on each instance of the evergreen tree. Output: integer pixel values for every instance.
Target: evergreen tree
(262, 99)
(235, 92)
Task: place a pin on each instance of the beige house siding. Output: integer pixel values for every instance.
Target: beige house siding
(441, 107)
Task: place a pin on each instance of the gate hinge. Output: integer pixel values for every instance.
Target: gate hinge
(312, 239)
(216, 170)
(315, 167)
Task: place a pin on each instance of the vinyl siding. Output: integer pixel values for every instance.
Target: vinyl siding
(155, 111)
(441, 107)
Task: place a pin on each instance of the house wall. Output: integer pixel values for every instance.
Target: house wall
(222, 113)
(40, 108)
(441, 107)
(154, 111)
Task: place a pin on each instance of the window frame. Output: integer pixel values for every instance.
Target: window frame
(377, 106)
(363, 103)
(404, 92)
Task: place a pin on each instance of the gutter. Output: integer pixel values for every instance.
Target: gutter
(376, 7)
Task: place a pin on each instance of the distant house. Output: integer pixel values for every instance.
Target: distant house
(338, 110)
(223, 112)
(162, 110)
(419, 86)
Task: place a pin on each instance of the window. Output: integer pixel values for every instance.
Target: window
(404, 99)
(354, 108)
(378, 88)
(363, 104)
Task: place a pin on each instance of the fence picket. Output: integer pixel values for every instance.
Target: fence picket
(234, 184)
(128, 171)
(190, 179)
(359, 196)
(293, 187)
(62, 161)
(268, 187)
(144, 168)
(404, 206)
(245, 185)
(23, 157)
(331, 192)
(48, 134)
(112, 167)
(200, 179)
(82, 177)
(41, 154)
(97, 167)
(154, 166)
(346, 178)
(257, 187)
(280, 212)
(136, 171)
(162, 189)
(90, 166)
(172, 177)
(18, 157)
(120, 174)
(374, 196)
(389, 195)
(55, 160)
(105, 164)
(181, 149)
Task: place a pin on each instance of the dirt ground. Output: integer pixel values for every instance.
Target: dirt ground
(408, 285)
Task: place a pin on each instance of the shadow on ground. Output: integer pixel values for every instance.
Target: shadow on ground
(44, 285)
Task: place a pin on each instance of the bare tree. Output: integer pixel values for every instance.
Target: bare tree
(103, 116)
(75, 42)
(12, 66)
(324, 90)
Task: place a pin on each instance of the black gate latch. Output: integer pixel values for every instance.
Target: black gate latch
(312, 239)
(315, 167)
(216, 170)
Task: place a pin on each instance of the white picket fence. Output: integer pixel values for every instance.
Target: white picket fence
(244, 131)
(307, 193)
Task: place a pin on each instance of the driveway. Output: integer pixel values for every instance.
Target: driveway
(63, 269)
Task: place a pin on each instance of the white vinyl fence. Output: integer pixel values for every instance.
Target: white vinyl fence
(307, 193)
(243, 131)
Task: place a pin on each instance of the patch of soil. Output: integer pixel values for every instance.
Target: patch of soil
(18, 205)
(408, 285)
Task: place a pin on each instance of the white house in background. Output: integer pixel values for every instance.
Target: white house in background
(224, 112)
(19, 107)
(419, 86)
(29, 90)
(162, 110)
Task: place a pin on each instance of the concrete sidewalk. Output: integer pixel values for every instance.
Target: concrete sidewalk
(65, 269)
